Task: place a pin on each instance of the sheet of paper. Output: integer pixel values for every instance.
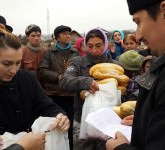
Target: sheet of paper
(108, 122)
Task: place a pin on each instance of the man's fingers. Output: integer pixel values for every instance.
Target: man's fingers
(118, 134)
(127, 122)
(121, 137)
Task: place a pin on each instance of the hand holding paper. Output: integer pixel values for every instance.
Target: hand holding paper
(108, 122)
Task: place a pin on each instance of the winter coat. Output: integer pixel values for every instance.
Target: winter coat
(132, 91)
(54, 64)
(77, 78)
(149, 117)
(119, 49)
(22, 101)
(31, 59)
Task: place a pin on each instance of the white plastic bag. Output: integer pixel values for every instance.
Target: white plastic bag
(55, 140)
(108, 95)
(9, 139)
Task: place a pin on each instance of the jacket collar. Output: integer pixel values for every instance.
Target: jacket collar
(147, 79)
(57, 49)
(90, 60)
(157, 63)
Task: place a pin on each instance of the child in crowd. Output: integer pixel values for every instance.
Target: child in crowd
(146, 64)
(130, 42)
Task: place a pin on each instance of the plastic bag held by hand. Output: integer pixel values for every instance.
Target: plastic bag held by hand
(55, 140)
(9, 138)
(108, 95)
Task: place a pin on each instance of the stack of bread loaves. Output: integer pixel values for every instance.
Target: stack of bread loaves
(104, 72)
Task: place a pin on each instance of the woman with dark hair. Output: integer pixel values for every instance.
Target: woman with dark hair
(22, 99)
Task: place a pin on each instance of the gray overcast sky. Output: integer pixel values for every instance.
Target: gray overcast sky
(79, 15)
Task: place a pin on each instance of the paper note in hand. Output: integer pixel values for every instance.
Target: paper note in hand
(108, 122)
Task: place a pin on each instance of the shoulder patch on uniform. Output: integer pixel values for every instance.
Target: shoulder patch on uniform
(70, 68)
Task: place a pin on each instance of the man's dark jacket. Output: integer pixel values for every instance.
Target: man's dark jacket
(149, 118)
(54, 64)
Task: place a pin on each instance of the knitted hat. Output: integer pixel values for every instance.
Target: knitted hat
(3, 21)
(60, 29)
(131, 60)
(32, 28)
(135, 5)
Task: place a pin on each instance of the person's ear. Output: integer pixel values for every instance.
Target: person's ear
(27, 37)
(162, 9)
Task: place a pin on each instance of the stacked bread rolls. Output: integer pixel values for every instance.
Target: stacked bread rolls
(105, 72)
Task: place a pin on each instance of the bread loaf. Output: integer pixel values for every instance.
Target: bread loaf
(125, 109)
(122, 79)
(106, 66)
(123, 89)
(116, 109)
(107, 80)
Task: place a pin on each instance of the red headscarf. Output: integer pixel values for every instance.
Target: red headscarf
(78, 46)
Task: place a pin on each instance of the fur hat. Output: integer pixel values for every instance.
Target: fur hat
(3, 21)
(135, 5)
(32, 28)
(60, 29)
(131, 60)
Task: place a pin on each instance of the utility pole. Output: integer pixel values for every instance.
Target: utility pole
(48, 28)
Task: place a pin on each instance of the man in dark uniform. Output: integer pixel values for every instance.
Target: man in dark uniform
(149, 117)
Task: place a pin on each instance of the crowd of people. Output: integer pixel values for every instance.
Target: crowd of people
(36, 81)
